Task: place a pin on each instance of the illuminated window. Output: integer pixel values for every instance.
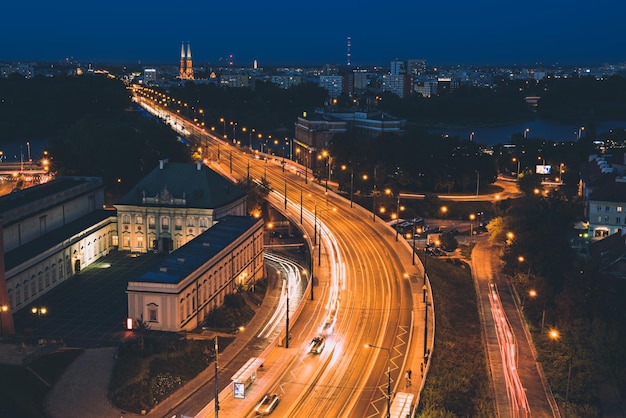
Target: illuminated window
(151, 222)
(165, 223)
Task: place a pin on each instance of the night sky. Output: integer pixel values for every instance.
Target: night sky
(278, 32)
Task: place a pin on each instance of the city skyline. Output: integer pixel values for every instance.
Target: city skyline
(283, 33)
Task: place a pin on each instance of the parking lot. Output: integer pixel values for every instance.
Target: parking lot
(90, 309)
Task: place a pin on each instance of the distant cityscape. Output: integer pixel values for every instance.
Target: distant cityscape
(403, 76)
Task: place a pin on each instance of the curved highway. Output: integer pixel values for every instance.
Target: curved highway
(365, 294)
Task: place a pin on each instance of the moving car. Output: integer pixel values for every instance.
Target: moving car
(267, 404)
(317, 344)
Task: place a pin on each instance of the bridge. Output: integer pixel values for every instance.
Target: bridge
(27, 168)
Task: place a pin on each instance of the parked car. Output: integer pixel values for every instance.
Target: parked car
(267, 404)
(317, 344)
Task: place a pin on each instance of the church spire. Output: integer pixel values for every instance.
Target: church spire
(188, 64)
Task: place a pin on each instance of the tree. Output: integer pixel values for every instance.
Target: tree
(529, 183)
(448, 241)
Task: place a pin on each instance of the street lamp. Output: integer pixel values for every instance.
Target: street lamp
(388, 375)
(3, 309)
(224, 129)
(526, 132)
(471, 218)
(343, 167)
(326, 155)
(374, 195)
(398, 217)
(515, 159)
(554, 335)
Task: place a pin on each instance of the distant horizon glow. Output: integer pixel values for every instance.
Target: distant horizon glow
(287, 34)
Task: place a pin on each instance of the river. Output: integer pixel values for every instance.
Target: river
(537, 128)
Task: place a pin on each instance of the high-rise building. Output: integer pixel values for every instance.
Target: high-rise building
(149, 76)
(416, 66)
(185, 70)
(399, 84)
(398, 67)
(332, 83)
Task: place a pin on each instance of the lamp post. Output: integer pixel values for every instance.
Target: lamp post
(471, 218)
(343, 167)
(526, 132)
(398, 217)
(39, 312)
(224, 129)
(414, 233)
(554, 335)
(388, 375)
(374, 196)
(3, 309)
(518, 164)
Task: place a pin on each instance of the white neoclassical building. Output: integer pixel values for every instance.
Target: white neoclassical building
(49, 232)
(193, 280)
(173, 204)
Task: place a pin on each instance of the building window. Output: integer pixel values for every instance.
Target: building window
(151, 222)
(618, 220)
(138, 219)
(115, 240)
(607, 208)
(140, 242)
(599, 219)
(606, 219)
(601, 233)
(204, 223)
(127, 240)
(153, 312)
(599, 208)
(190, 222)
(126, 218)
(165, 223)
(178, 224)
(619, 208)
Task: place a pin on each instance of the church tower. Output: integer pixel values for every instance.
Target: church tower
(188, 64)
(185, 69)
(181, 68)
